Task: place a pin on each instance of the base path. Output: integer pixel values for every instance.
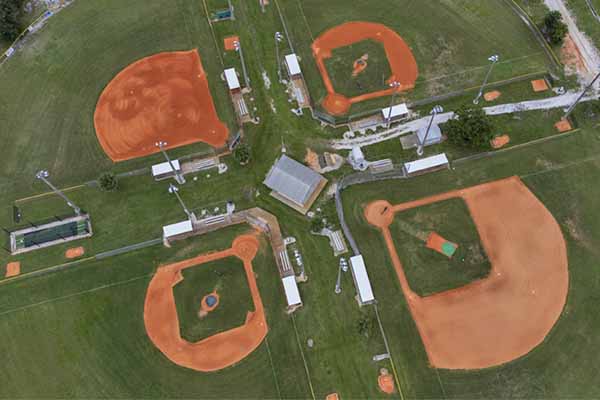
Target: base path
(500, 318)
(400, 57)
(215, 352)
(162, 97)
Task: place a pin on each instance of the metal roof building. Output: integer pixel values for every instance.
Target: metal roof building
(294, 184)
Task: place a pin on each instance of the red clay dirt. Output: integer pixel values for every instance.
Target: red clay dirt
(500, 141)
(500, 318)
(74, 252)
(563, 126)
(229, 42)
(13, 269)
(436, 242)
(385, 381)
(400, 57)
(491, 96)
(539, 85)
(215, 352)
(162, 97)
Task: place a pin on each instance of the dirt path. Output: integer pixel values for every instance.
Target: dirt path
(215, 352)
(162, 97)
(498, 319)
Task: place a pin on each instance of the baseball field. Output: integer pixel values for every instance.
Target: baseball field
(76, 328)
(451, 42)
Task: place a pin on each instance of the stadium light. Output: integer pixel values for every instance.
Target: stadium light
(421, 146)
(493, 59)
(178, 177)
(338, 284)
(278, 39)
(238, 47)
(588, 87)
(175, 190)
(43, 176)
(394, 85)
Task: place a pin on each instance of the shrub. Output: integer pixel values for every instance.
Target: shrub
(242, 154)
(471, 127)
(554, 28)
(108, 182)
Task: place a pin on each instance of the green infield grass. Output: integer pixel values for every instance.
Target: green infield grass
(428, 271)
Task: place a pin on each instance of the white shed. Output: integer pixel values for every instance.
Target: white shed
(177, 229)
(395, 112)
(426, 164)
(291, 60)
(292, 294)
(361, 280)
(232, 79)
(165, 169)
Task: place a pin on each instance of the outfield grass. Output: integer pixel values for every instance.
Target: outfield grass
(561, 173)
(451, 41)
(227, 278)
(372, 79)
(430, 272)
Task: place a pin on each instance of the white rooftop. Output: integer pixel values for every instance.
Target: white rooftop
(291, 291)
(397, 111)
(293, 66)
(426, 163)
(177, 229)
(361, 279)
(165, 168)
(232, 79)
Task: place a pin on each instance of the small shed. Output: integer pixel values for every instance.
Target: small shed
(164, 170)
(233, 82)
(364, 291)
(434, 136)
(399, 111)
(292, 294)
(177, 229)
(424, 165)
(293, 67)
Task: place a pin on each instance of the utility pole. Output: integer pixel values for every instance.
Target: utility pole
(238, 48)
(43, 176)
(435, 111)
(278, 39)
(493, 59)
(588, 87)
(395, 85)
(178, 177)
(175, 190)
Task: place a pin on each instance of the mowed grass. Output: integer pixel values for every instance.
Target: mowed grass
(372, 79)
(227, 278)
(586, 21)
(428, 271)
(451, 40)
(55, 82)
(81, 334)
(561, 173)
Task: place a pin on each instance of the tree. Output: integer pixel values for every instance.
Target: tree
(242, 154)
(317, 224)
(471, 127)
(554, 28)
(108, 182)
(9, 19)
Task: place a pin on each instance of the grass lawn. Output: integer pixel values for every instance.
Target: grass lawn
(561, 173)
(428, 271)
(227, 278)
(372, 79)
(585, 19)
(451, 41)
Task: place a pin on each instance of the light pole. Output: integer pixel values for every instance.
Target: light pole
(43, 176)
(572, 107)
(278, 39)
(394, 85)
(238, 47)
(338, 284)
(175, 190)
(493, 59)
(178, 177)
(435, 111)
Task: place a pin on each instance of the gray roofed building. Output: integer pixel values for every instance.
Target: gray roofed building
(294, 184)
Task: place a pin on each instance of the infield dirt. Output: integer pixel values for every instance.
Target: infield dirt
(500, 318)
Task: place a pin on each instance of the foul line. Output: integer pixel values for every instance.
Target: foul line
(312, 391)
(75, 294)
(562, 166)
(212, 31)
(69, 189)
(272, 367)
(387, 348)
(305, 20)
